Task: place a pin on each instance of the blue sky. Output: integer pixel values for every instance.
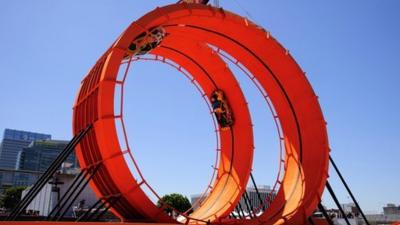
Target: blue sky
(349, 50)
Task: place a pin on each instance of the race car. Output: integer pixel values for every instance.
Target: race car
(221, 109)
(147, 41)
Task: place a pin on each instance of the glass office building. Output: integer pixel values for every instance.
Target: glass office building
(40, 154)
(37, 157)
(24, 135)
(13, 142)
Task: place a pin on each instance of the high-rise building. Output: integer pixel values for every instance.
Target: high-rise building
(13, 142)
(40, 154)
(37, 157)
(24, 156)
(12, 177)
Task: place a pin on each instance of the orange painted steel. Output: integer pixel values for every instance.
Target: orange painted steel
(191, 29)
(236, 143)
(74, 223)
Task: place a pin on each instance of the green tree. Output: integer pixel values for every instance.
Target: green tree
(177, 201)
(11, 197)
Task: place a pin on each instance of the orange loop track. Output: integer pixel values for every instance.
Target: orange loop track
(191, 29)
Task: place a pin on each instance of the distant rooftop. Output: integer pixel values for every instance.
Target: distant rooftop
(24, 135)
(48, 143)
(260, 188)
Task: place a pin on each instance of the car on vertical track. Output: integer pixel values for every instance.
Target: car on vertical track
(221, 109)
(147, 41)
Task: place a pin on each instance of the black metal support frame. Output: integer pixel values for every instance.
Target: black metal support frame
(232, 215)
(327, 217)
(255, 187)
(110, 201)
(310, 220)
(239, 210)
(328, 186)
(35, 189)
(97, 206)
(335, 199)
(96, 211)
(348, 190)
(60, 204)
(249, 206)
(84, 216)
(77, 192)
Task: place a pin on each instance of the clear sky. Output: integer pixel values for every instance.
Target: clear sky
(349, 50)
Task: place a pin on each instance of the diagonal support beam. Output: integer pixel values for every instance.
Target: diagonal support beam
(33, 192)
(348, 190)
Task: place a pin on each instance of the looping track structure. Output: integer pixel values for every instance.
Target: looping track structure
(195, 33)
